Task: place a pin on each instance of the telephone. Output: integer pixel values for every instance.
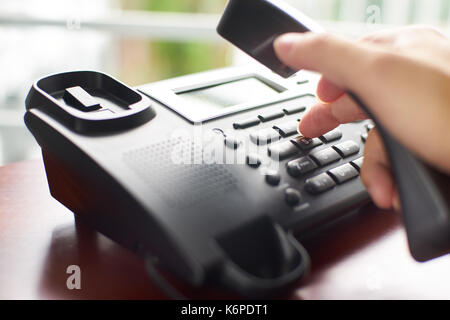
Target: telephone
(204, 175)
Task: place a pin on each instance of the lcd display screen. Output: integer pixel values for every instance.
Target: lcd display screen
(228, 94)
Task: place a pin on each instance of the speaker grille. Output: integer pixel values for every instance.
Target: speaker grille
(176, 171)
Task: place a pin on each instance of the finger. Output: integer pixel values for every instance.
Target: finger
(327, 91)
(339, 60)
(317, 121)
(323, 118)
(376, 172)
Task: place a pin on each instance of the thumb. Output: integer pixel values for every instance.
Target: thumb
(339, 60)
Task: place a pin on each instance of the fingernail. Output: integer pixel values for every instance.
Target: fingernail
(304, 128)
(284, 43)
(396, 204)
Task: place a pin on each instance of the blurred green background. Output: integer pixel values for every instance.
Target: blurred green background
(168, 59)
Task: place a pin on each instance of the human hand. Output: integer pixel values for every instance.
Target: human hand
(404, 77)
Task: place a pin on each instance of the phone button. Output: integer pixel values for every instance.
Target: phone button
(271, 116)
(319, 184)
(344, 173)
(273, 178)
(247, 123)
(292, 196)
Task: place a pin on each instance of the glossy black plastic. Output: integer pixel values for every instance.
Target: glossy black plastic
(124, 108)
(253, 25)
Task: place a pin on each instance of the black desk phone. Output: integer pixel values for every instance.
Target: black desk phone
(205, 175)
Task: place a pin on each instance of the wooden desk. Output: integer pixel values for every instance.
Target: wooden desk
(365, 258)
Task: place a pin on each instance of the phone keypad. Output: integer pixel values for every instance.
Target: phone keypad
(274, 131)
